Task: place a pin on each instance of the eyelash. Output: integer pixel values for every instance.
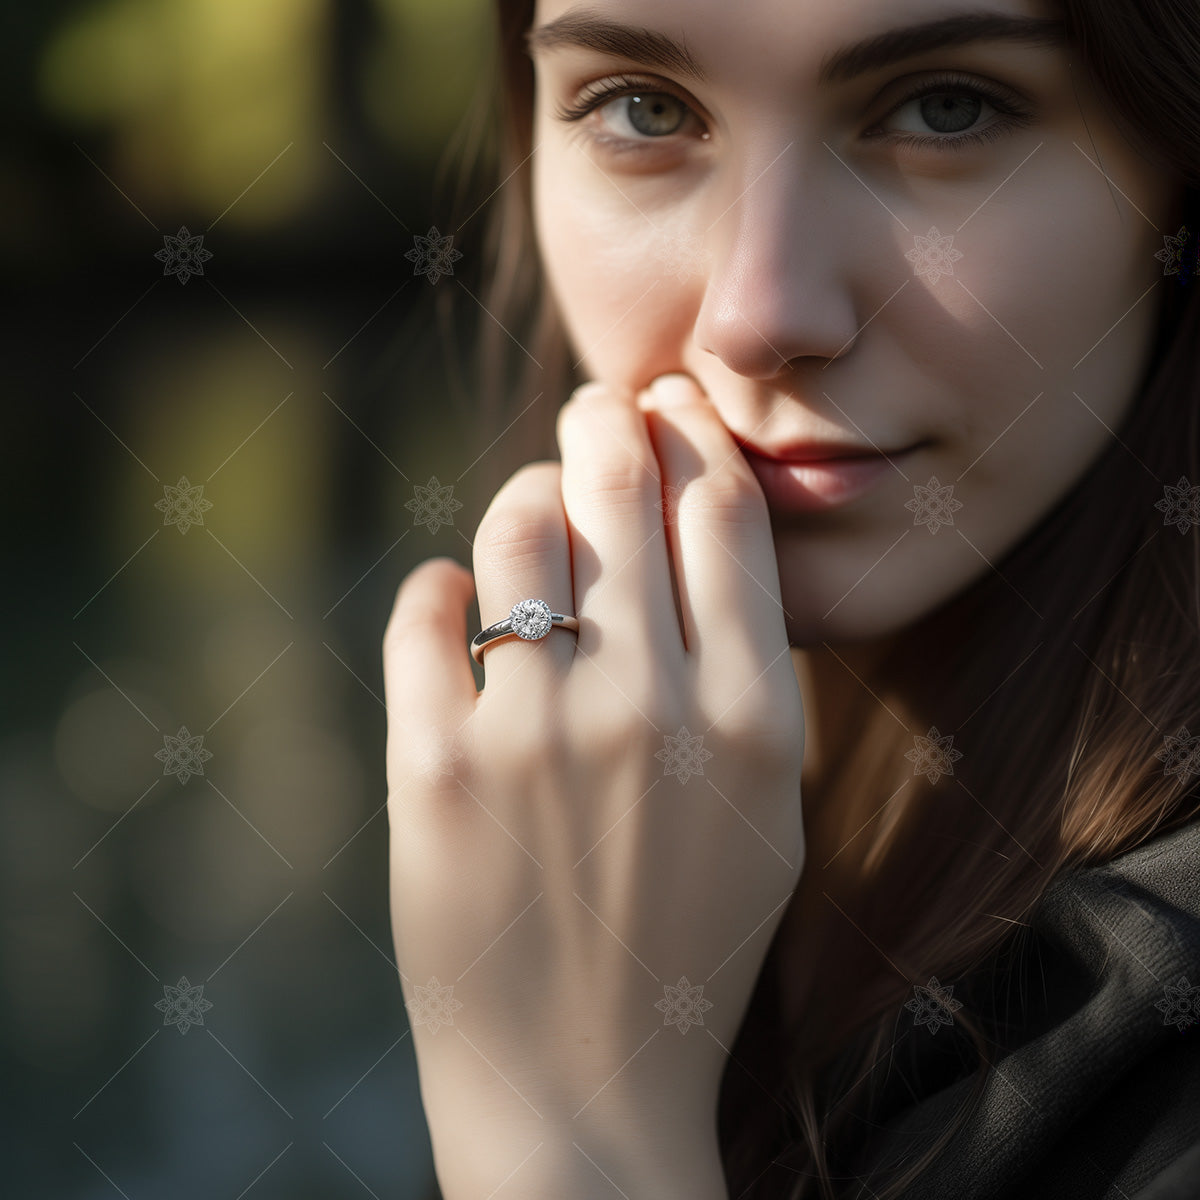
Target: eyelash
(1013, 115)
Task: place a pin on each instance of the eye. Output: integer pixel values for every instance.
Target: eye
(652, 114)
(633, 110)
(949, 113)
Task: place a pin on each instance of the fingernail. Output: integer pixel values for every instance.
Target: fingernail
(667, 391)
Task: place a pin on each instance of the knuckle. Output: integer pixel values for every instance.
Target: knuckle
(615, 450)
(516, 539)
(729, 495)
(659, 712)
(637, 724)
(524, 520)
(525, 746)
(615, 735)
(765, 730)
(618, 487)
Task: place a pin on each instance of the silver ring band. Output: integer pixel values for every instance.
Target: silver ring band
(529, 620)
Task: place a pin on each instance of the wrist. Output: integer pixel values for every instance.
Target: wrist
(650, 1157)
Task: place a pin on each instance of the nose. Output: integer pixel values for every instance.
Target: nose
(777, 289)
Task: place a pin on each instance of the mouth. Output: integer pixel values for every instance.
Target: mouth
(827, 481)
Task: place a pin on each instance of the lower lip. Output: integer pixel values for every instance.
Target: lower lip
(819, 486)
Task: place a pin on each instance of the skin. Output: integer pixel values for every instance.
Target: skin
(790, 319)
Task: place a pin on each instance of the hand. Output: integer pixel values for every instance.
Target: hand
(554, 865)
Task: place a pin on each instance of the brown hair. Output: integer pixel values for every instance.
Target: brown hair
(1085, 623)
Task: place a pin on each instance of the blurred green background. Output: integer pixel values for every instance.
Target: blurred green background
(297, 380)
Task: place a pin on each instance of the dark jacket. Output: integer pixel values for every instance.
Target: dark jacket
(1097, 1093)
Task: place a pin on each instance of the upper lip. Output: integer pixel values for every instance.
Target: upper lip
(799, 452)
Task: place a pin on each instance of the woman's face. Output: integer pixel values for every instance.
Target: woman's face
(849, 233)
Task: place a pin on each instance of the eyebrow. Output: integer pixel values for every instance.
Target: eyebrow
(582, 28)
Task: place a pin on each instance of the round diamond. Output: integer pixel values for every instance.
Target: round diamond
(530, 619)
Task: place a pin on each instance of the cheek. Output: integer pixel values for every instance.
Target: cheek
(1075, 286)
(627, 307)
(1036, 343)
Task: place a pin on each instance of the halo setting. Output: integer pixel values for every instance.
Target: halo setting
(530, 619)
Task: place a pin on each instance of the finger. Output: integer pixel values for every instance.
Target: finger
(521, 552)
(429, 689)
(612, 493)
(719, 532)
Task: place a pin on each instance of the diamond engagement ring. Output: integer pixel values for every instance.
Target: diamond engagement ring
(529, 619)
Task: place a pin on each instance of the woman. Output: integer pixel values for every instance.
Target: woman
(848, 847)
